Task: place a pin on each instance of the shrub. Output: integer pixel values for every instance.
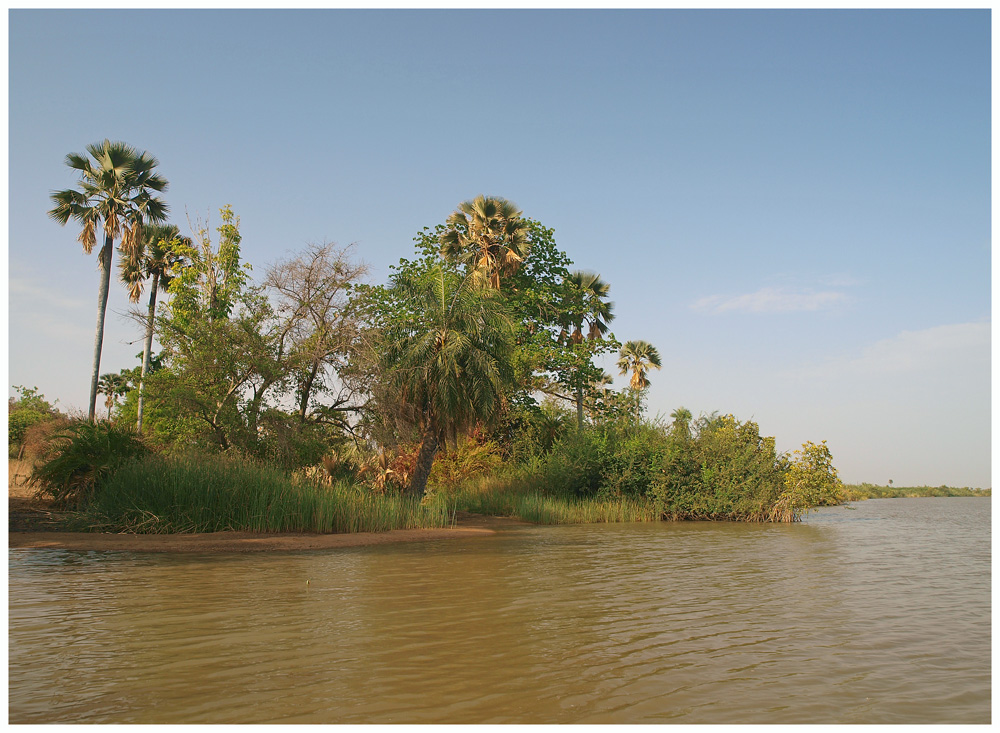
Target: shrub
(80, 457)
(471, 458)
(811, 479)
(29, 409)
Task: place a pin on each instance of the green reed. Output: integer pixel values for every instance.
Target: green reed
(518, 495)
(161, 494)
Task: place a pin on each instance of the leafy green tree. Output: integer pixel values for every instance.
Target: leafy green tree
(115, 191)
(223, 346)
(489, 235)
(448, 359)
(637, 357)
(153, 260)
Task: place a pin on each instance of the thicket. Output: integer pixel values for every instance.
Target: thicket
(716, 468)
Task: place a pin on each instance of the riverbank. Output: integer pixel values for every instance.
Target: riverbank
(32, 524)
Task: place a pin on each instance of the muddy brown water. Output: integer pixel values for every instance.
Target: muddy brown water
(877, 613)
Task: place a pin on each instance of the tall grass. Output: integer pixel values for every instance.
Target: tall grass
(162, 494)
(519, 494)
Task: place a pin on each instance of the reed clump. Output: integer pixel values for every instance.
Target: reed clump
(214, 493)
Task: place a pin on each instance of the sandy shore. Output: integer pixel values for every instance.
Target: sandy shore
(30, 523)
(227, 541)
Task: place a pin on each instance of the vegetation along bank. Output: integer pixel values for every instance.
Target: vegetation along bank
(308, 400)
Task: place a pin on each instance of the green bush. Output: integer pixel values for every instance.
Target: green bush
(81, 457)
(719, 468)
(30, 408)
(812, 480)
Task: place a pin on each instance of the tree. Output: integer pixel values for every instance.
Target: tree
(681, 427)
(116, 192)
(311, 290)
(448, 357)
(589, 308)
(593, 310)
(112, 386)
(223, 346)
(638, 357)
(152, 259)
(489, 235)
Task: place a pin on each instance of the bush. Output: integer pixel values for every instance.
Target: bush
(719, 468)
(29, 409)
(472, 458)
(83, 455)
(812, 480)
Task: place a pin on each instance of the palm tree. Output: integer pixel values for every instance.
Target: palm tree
(597, 312)
(115, 191)
(113, 386)
(488, 234)
(152, 259)
(452, 363)
(682, 422)
(592, 311)
(637, 357)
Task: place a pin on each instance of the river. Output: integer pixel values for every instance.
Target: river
(874, 613)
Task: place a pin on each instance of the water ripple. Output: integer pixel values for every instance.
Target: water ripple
(855, 616)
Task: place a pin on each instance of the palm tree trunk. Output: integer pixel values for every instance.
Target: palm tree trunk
(147, 348)
(104, 266)
(425, 460)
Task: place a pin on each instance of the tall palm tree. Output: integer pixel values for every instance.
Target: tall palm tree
(592, 311)
(638, 357)
(116, 192)
(153, 260)
(488, 234)
(452, 364)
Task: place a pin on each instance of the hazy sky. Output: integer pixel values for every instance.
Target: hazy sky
(793, 206)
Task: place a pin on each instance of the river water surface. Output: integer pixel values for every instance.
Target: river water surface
(874, 613)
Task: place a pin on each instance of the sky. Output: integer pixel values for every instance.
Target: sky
(793, 206)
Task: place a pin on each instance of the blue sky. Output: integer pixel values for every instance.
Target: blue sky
(793, 206)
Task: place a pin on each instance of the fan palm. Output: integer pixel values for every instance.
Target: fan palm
(112, 386)
(682, 422)
(637, 357)
(452, 363)
(152, 259)
(591, 311)
(488, 234)
(596, 312)
(116, 192)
